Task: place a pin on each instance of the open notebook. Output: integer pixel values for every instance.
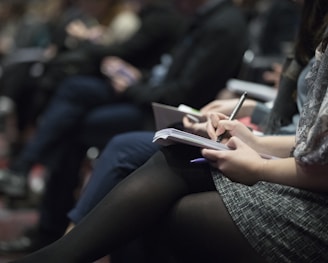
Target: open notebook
(170, 135)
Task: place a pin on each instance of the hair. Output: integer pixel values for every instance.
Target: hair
(312, 33)
(314, 22)
(324, 41)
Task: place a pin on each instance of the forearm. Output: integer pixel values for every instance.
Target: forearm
(280, 146)
(288, 171)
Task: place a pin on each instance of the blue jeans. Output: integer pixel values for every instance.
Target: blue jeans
(84, 112)
(122, 155)
(80, 102)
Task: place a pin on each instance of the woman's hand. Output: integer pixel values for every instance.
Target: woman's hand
(199, 127)
(242, 164)
(219, 124)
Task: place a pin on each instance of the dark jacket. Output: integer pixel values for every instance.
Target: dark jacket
(208, 55)
(161, 27)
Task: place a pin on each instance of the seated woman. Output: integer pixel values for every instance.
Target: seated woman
(267, 210)
(126, 152)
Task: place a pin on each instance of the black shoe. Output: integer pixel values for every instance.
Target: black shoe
(13, 184)
(29, 242)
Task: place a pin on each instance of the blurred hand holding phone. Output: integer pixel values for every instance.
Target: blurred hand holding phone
(121, 73)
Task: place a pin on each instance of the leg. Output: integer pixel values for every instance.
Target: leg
(59, 195)
(106, 121)
(63, 118)
(122, 155)
(136, 204)
(202, 230)
(64, 115)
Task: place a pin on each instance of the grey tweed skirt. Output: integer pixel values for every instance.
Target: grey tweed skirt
(283, 224)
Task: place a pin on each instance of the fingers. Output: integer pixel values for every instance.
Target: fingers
(189, 120)
(214, 127)
(110, 65)
(235, 143)
(121, 73)
(120, 84)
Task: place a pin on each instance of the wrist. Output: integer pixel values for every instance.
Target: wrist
(260, 170)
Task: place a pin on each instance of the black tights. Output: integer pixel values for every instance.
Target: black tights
(166, 187)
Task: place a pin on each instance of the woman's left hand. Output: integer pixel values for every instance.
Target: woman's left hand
(199, 127)
(241, 164)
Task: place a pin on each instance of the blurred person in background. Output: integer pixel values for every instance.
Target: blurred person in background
(63, 162)
(34, 56)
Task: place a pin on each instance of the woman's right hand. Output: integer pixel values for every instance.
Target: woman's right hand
(218, 124)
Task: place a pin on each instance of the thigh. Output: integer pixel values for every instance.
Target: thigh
(121, 156)
(90, 91)
(202, 230)
(106, 121)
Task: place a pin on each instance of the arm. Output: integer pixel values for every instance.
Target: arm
(198, 70)
(290, 172)
(244, 165)
(146, 45)
(218, 123)
(279, 146)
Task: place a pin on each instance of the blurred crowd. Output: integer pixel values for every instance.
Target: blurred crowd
(45, 42)
(35, 37)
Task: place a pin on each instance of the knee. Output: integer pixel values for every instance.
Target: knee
(122, 141)
(76, 85)
(130, 150)
(119, 147)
